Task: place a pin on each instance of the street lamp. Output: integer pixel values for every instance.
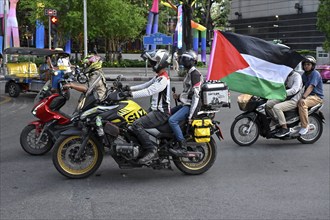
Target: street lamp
(277, 27)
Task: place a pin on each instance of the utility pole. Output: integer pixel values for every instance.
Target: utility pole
(85, 28)
(5, 58)
(49, 34)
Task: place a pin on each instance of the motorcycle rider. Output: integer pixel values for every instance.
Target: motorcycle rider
(96, 82)
(313, 93)
(189, 99)
(159, 88)
(276, 108)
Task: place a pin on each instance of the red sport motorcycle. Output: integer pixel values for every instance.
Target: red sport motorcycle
(38, 136)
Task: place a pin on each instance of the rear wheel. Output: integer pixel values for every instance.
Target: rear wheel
(315, 129)
(32, 143)
(13, 89)
(195, 166)
(66, 162)
(244, 131)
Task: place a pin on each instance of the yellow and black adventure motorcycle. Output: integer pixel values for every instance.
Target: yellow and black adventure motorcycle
(79, 151)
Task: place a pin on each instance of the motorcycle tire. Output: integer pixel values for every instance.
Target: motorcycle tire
(64, 160)
(188, 166)
(315, 130)
(239, 134)
(28, 141)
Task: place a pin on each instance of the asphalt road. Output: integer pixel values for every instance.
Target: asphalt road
(271, 179)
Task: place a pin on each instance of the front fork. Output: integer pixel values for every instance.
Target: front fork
(85, 137)
(252, 116)
(41, 128)
(86, 133)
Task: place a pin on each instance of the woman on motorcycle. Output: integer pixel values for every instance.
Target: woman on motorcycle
(96, 81)
(189, 99)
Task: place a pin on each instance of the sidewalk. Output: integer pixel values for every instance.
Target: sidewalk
(135, 74)
(140, 74)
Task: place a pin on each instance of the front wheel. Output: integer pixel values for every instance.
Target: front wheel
(315, 129)
(69, 165)
(32, 143)
(244, 131)
(193, 166)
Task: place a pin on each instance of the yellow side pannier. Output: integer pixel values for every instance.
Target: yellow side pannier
(202, 130)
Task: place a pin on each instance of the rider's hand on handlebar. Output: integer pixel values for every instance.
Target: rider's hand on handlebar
(67, 86)
(125, 94)
(126, 88)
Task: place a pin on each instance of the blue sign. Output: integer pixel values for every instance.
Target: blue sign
(157, 39)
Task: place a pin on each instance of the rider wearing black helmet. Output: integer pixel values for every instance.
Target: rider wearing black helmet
(159, 88)
(313, 93)
(189, 99)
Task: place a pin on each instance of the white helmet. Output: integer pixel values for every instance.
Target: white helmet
(159, 59)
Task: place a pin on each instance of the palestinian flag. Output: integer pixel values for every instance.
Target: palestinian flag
(251, 65)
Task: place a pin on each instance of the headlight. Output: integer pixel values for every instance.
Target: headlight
(34, 111)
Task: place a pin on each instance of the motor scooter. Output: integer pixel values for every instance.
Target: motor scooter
(255, 121)
(38, 137)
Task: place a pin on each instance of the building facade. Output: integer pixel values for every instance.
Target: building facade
(291, 22)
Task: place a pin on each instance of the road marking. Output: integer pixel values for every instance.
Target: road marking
(7, 99)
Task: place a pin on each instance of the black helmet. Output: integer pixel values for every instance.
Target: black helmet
(188, 59)
(309, 59)
(159, 59)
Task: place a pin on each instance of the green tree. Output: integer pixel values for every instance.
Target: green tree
(69, 13)
(219, 13)
(323, 17)
(118, 21)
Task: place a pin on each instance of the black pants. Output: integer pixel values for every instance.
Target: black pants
(151, 120)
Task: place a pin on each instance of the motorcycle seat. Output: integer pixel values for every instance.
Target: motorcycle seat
(161, 131)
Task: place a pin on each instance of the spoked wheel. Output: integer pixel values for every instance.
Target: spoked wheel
(68, 164)
(195, 166)
(32, 143)
(315, 129)
(244, 131)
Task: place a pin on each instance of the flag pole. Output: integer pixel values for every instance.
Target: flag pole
(215, 36)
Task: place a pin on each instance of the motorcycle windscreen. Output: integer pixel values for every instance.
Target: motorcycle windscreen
(89, 102)
(44, 92)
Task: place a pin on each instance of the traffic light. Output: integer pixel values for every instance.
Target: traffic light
(54, 21)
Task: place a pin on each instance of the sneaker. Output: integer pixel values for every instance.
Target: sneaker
(303, 131)
(149, 156)
(282, 132)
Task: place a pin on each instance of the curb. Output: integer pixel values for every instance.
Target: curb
(126, 78)
(129, 78)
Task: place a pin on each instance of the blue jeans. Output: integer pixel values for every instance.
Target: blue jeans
(179, 113)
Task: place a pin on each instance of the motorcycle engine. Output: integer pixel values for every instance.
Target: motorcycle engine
(128, 151)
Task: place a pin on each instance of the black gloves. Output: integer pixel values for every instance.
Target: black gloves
(126, 88)
(125, 94)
